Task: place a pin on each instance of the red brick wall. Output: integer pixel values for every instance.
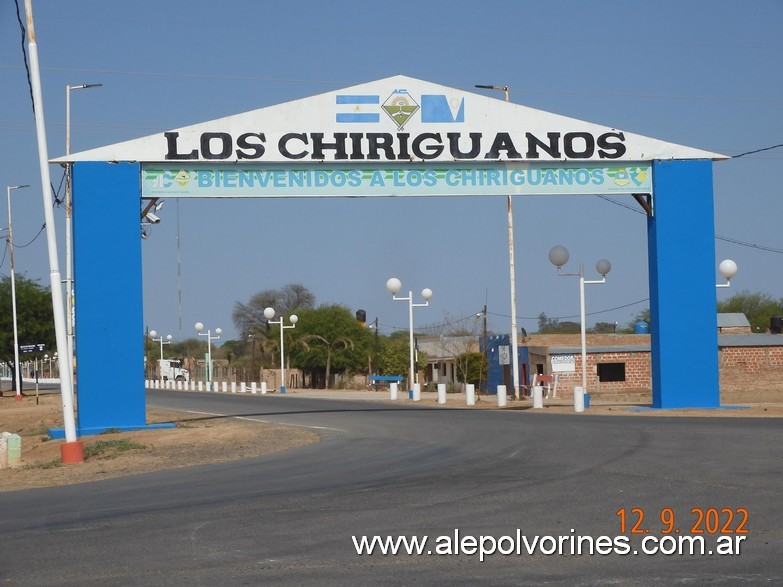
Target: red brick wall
(637, 374)
(750, 374)
(751, 358)
(746, 372)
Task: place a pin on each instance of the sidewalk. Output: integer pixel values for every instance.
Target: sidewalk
(552, 405)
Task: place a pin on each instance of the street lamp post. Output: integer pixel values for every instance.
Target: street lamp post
(17, 375)
(269, 313)
(727, 269)
(153, 334)
(558, 256)
(512, 278)
(394, 285)
(210, 338)
(69, 321)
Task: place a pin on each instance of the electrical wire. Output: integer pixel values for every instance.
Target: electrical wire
(24, 53)
(338, 83)
(717, 236)
(432, 327)
(5, 252)
(56, 193)
(757, 151)
(32, 241)
(575, 315)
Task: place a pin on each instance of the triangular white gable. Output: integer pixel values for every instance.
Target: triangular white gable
(394, 119)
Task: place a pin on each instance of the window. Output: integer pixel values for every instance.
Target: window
(611, 372)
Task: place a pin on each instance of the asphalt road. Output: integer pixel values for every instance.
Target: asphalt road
(391, 470)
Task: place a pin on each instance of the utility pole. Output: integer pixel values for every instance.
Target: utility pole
(72, 451)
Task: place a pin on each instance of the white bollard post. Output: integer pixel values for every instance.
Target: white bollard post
(441, 393)
(233, 387)
(538, 397)
(502, 396)
(579, 399)
(225, 387)
(242, 387)
(4, 449)
(179, 385)
(12, 456)
(263, 388)
(393, 391)
(253, 388)
(192, 385)
(201, 386)
(470, 394)
(416, 392)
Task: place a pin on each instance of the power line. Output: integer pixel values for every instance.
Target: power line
(751, 245)
(24, 53)
(5, 252)
(576, 315)
(352, 82)
(757, 151)
(655, 96)
(717, 236)
(434, 326)
(190, 75)
(32, 241)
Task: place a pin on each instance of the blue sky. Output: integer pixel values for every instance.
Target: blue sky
(702, 73)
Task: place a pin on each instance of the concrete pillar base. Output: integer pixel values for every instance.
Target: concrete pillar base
(72, 452)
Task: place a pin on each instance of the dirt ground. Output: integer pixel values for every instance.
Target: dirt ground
(195, 440)
(199, 439)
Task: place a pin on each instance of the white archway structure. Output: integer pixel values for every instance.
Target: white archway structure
(392, 137)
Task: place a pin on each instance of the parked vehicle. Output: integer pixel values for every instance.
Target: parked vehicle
(171, 369)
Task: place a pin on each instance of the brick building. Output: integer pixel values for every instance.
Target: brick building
(751, 364)
(618, 365)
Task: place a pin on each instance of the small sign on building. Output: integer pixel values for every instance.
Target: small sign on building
(563, 363)
(32, 348)
(504, 355)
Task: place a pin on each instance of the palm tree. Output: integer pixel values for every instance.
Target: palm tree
(331, 346)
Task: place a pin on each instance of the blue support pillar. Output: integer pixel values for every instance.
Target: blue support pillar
(683, 314)
(108, 297)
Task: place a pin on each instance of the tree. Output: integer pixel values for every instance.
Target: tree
(331, 340)
(460, 340)
(35, 319)
(554, 326)
(249, 318)
(758, 308)
(475, 370)
(394, 358)
(603, 328)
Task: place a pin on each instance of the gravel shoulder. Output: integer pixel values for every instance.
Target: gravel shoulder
(195, 440)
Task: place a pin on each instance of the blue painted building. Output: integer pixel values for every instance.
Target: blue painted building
(497, 349)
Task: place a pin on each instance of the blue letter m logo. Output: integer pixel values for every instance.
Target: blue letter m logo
(436, 108)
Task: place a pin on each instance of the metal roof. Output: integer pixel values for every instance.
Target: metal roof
(733, 320)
